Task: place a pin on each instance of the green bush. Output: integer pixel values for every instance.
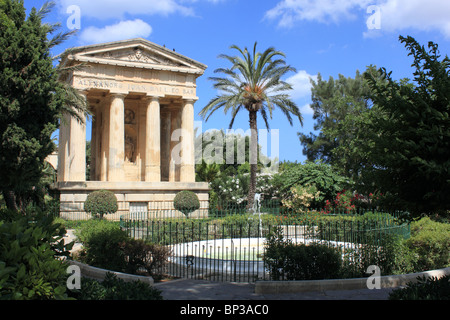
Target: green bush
(385, 252)
(424, 289)
(30, 268)
(101, 244)
(106, 246)
(322, 175)
(186, 202)
(140, 255)
(112, 288)
(101, 202)
(430, 240)
(287, 261)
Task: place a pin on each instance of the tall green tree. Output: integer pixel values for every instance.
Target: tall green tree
(341, 109)
(32, 99)
(253, 83)
(411, 150)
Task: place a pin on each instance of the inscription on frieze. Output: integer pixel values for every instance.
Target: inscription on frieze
(133, 87)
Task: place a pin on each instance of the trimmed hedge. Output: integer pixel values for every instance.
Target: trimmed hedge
(186, 202)
(101, 202)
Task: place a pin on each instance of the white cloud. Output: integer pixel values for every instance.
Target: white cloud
(301, 83)
(398, 15)
(107, 9)
(118, 9)
(307, 110)
(123, 30)
(325, 11)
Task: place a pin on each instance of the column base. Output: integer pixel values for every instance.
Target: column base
(187, 173)
(152, 174)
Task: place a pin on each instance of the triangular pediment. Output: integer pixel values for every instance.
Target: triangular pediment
(138, 53)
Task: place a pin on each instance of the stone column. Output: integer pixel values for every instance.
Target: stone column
(94, 145)
(104, 141)
(187, 169)
(175, 150)
(153, 141)
(116, 150)
(76, 162)
(63, 148)
(165, 145)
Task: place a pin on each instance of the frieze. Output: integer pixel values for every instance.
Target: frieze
(112, 85)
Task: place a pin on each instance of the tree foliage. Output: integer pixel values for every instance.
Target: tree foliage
(32, 100)
(341, 111)
(320, 175)
(411, 148)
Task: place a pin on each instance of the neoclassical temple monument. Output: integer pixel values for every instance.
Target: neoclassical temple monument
(142, 97)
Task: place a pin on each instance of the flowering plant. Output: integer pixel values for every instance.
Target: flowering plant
(301, 197)
(233, 189)
(344, 201)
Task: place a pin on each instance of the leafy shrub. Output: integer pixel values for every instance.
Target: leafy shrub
(101, 244)
(343, 203)
(384, 252)
(301, 197)
(106, 246)
(101, 202)
(424, 289)
(141, 255)
(112, 288)
(30, 267)
(186, 202)
(430, 240)
(322, 175)
(288, 261)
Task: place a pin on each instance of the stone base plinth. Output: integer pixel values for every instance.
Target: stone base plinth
(142, 199)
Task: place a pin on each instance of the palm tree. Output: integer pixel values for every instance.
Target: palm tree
(253, 82)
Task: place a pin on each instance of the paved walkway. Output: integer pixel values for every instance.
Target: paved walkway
(187, 289)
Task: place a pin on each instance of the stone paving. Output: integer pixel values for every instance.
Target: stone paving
(187, 289)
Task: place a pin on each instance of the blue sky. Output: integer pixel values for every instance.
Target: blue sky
(329, 37)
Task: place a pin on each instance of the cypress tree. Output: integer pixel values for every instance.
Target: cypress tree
(32, 99)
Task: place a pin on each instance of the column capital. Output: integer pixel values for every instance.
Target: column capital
(189, 100)
(151, 98)
(83, 92)
(117, 95)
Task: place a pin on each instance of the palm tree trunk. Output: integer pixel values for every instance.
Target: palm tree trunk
(253, 158)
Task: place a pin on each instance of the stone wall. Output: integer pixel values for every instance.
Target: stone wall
(158, 196)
